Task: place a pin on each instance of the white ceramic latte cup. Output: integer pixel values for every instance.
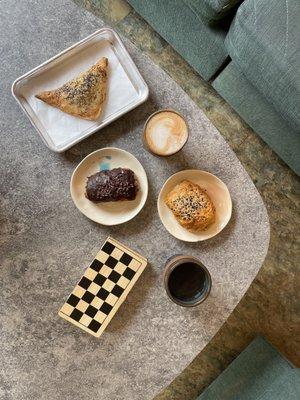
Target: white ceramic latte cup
(163, 138)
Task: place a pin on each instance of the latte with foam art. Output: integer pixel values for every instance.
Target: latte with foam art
(165, 133)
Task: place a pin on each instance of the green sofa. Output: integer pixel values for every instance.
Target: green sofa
(249, 50)
(258, 373)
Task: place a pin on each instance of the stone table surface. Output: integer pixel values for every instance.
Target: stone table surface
(269, 308)
(46, 243)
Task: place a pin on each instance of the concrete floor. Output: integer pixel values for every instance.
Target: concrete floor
(271, 305)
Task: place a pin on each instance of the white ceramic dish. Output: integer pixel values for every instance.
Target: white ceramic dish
(112, 213)
(126, 88)
(219, 194)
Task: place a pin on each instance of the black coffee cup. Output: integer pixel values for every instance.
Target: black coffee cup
(187, 281)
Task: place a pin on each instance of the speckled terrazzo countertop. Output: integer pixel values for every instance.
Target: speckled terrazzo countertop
(47, 243)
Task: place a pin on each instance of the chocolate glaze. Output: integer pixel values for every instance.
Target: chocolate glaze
(114, 185)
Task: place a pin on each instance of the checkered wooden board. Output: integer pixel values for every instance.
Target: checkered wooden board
(103, 287)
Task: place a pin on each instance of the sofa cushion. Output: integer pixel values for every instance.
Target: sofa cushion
(211, 9)
(258, 373)
(261, 115)
(200, 44)
(264, 41)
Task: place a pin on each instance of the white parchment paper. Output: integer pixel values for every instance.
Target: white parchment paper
(63, 128)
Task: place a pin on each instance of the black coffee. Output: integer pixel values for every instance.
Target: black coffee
(187, 281)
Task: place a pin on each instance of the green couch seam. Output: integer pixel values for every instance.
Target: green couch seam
(212, 11)
(205, 16)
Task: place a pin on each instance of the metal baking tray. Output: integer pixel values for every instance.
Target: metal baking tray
(126, 89)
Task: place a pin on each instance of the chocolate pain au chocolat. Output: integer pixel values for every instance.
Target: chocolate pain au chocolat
(118, 184)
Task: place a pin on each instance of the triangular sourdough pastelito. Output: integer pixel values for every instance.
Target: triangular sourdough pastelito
(103, 287)
(82, 96)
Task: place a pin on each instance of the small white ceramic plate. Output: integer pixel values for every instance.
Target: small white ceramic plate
(112, 213)
(216, 190)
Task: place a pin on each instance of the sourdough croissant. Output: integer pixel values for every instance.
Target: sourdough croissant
(191, 206)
